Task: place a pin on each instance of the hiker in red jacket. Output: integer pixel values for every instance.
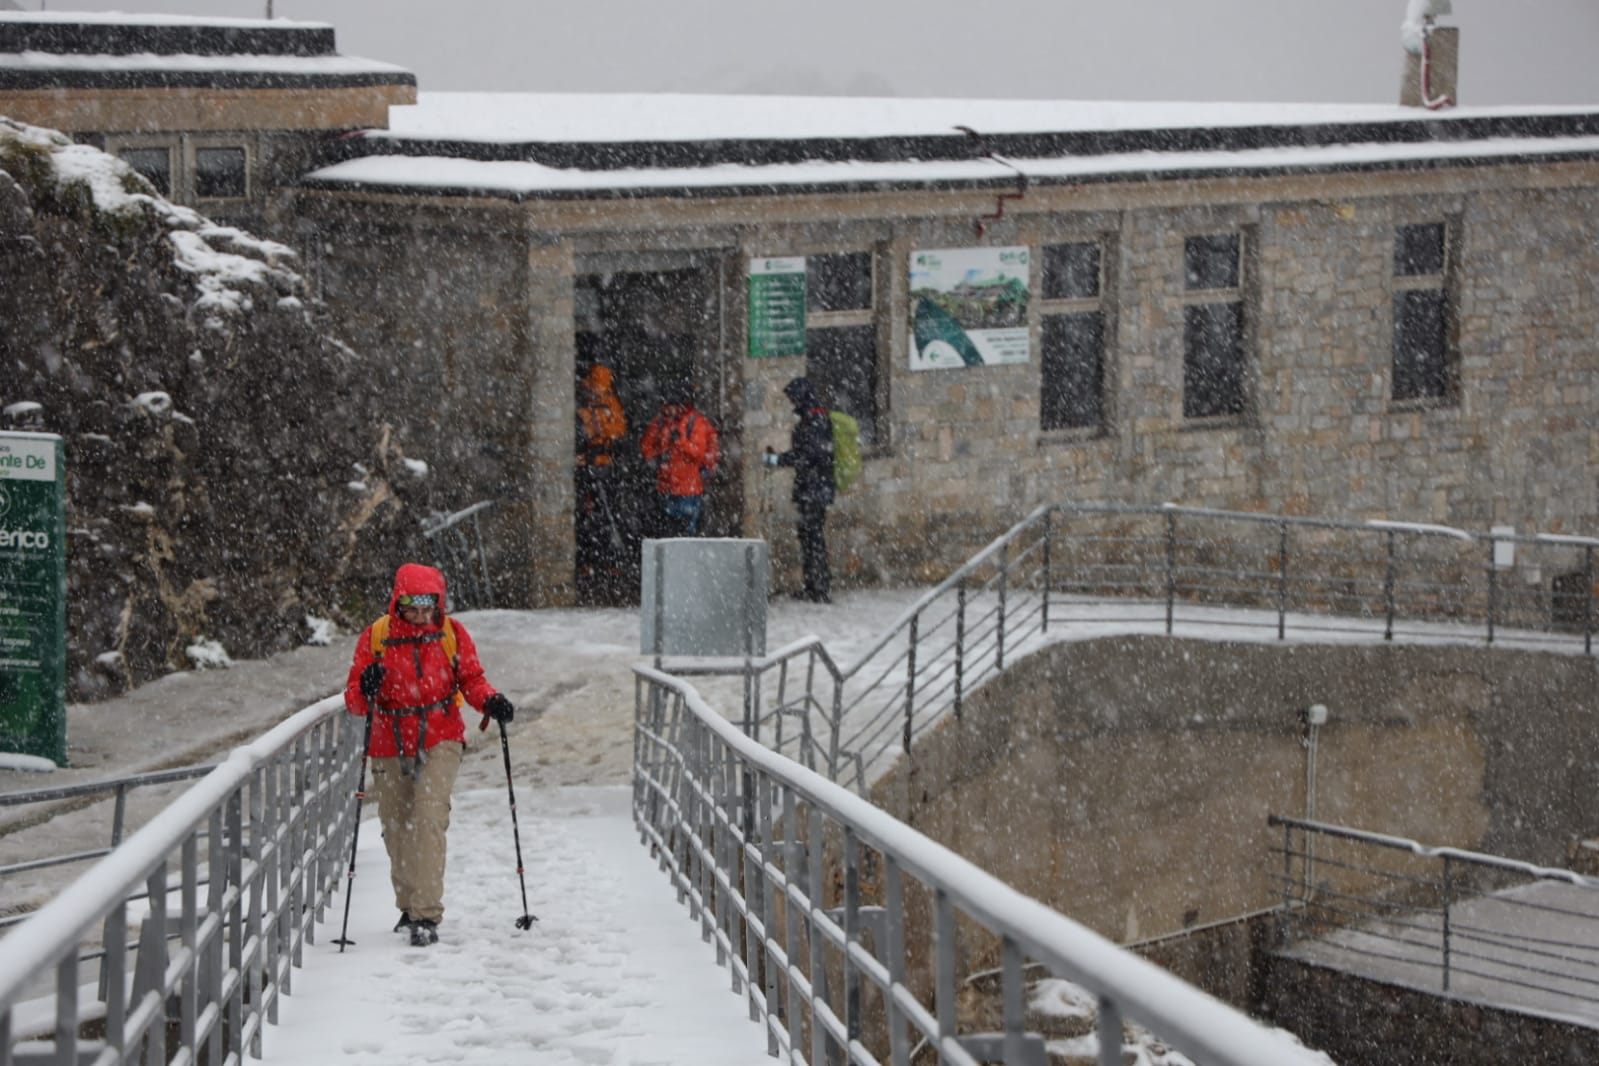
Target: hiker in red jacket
(413, 668)
(683, 445)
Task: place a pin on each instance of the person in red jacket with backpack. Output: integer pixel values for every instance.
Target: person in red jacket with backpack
(413, 670)
(683, 445)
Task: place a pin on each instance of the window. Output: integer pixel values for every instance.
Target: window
(1213, 326)
(841, 337)
(839, 282)
(1422, 359)
(152, 164)
(1072, 385)
(219, 173)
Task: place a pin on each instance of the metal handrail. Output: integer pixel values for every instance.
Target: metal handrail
(1311, 574)
(255, 849)
(1444, 910)
(117, 788)
(803, 888)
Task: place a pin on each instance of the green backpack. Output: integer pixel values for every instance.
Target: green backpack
(846, 450)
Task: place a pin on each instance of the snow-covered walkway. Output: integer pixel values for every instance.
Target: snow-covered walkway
(613, 972)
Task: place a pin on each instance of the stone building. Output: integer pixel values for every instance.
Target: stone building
(1351, 311)
(219, 114)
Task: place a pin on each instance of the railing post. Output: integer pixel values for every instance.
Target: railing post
(1171, 568)
(1388, 589)
(852, 935)
(1282, 579)
(1448, 891)
(1110, 1032)
(1493, 584)
(1587, 599)
(1049, 575)
(910, 682)
(960, 646)
(1004, 582)
(898, 1039)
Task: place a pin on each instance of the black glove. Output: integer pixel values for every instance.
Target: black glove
(499, 708)
(371, 681)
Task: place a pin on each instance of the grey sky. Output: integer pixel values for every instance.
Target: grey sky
(1512, 51)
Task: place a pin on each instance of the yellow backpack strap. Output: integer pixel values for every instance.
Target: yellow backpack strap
(380, 633)
(451, 644)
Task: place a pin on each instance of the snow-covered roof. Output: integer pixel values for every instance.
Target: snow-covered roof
(48, 49)
(559, 145)
(491, 118)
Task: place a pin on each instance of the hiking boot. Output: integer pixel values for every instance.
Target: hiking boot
(424, 933)
(404, 922)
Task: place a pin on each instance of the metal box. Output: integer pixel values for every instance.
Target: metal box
(704, 596)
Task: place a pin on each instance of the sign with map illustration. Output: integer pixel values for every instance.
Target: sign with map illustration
(33, 596)
(968, 307)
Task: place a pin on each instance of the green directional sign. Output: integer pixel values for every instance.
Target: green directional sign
(777, 306)
(33, 596)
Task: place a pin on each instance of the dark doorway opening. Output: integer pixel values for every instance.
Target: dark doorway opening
(657, 332)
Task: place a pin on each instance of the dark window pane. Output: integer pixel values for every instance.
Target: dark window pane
(841, 282)
(219, 172)
(1419, 250)
(152, 164)
(1073, 369)
(1071, 271)
(1213, 360)
(1211, 262)
(842, 364)
(1421, 366)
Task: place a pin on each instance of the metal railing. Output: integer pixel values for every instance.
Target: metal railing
(1451, 921)
(223, 886)
(851, 934)
(1161, 567)
(456, 541)
(72, 797)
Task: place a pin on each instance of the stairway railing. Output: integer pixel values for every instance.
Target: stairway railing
(224, 888)
(1159, 567)
(852, 935)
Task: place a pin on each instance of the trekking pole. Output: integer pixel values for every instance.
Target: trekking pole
(528, 918)
(355, 837)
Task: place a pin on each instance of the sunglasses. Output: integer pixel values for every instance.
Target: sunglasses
(420, 599)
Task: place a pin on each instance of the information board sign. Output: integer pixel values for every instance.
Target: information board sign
(968, 307)
(33, 596)
(777, 306)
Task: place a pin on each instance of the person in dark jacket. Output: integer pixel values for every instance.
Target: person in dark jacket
(810, 454)
(414, 670)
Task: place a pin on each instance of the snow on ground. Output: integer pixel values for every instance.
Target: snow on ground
(583, 986)
(613, 972)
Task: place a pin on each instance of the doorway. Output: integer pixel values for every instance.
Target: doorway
(657, 331)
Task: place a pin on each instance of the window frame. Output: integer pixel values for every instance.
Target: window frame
(1445, 284)
(857, 318)
(169, 147)
(220, 144)
(1097, 304)
(1238, 296)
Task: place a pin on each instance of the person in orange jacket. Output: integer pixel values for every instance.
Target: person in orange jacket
(413, 669)
(683, 445)
(600, 425)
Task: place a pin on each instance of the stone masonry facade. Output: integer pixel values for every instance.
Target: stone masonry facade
(962, 454)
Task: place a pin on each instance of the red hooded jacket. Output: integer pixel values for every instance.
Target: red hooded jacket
(417, 673)
(685, 445)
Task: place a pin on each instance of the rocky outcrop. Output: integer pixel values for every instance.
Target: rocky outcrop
(230, 481)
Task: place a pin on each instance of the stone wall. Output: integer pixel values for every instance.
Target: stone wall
(963, 456)
(1140, 771)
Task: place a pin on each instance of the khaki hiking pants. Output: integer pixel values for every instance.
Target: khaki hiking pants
(415, 813)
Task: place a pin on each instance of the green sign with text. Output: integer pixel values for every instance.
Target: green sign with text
(33, 596)
(777, 306)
